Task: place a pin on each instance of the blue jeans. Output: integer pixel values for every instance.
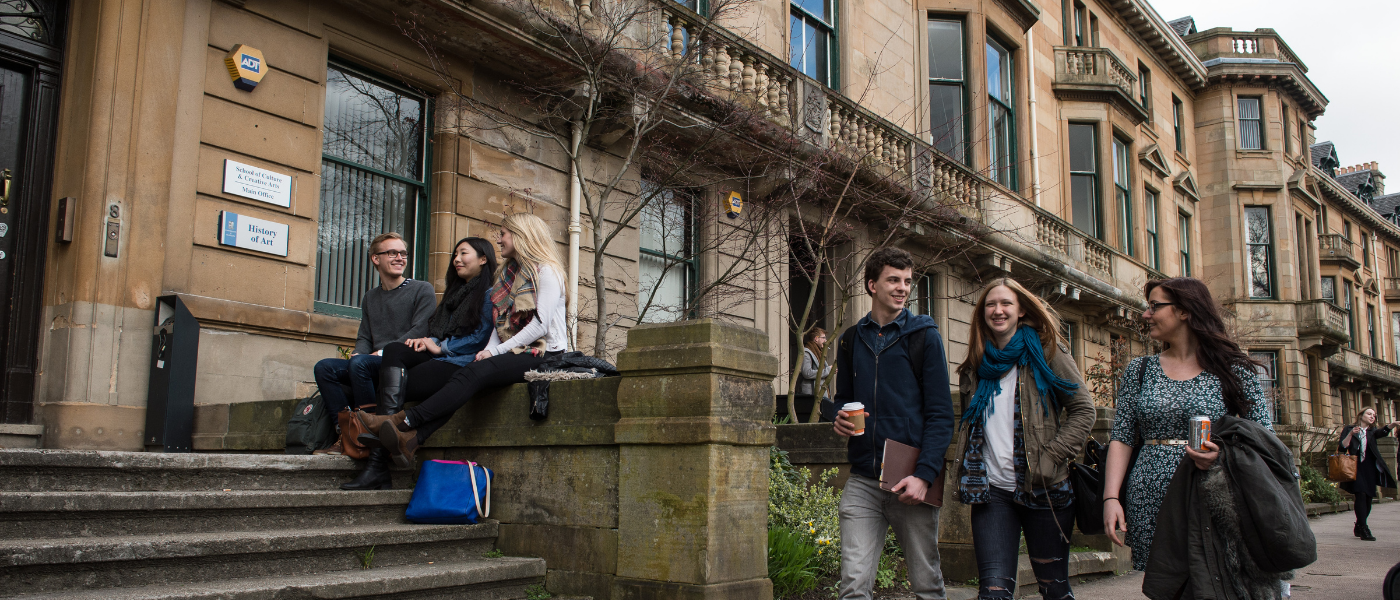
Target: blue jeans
(361, 373)
(996, 537)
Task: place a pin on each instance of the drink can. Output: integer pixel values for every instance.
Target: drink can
(1200, 432)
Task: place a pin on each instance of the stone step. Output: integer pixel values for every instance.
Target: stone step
(470, 579)
(23, 470)
(53, 565)
(44, 515)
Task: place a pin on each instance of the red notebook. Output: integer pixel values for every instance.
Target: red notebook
(900, 460)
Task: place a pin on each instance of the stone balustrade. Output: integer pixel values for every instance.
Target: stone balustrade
(1063, 241)
(1087, 73)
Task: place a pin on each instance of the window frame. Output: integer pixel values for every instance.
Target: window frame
(923, 293)
(1095, 207)
(960, 141)
(1328, 293)
(1145, 88)
(1351, 314)
(1184, 246)
(832, 29)
(1371, 329)
(690, 263)
(1150, 214)
(1257, 121)
(995, 168)
(1122, 192)
(1177, 113)
(1267, 249)
(1271, 382)
(1287, 131)
(417, 240)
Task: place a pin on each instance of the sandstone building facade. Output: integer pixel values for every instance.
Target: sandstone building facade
(1088, 147)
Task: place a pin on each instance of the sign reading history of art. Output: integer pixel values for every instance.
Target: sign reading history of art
(245, 66)
(259, 184)
(251, 233)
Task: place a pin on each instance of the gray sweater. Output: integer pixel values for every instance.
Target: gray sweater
(389, 316)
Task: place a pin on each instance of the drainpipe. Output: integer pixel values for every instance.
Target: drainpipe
(1035, 147)
(575, 229)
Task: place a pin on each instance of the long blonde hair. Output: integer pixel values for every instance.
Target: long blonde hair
(1039, 315)
(534, 246)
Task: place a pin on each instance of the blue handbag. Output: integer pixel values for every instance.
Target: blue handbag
(450, 492)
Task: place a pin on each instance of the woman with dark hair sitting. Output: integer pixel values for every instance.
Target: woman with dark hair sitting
(1200, 372)
(416, 369)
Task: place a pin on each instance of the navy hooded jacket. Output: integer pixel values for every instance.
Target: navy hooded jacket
(878, 373)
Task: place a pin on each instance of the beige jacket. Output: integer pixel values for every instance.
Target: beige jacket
(1051, 441)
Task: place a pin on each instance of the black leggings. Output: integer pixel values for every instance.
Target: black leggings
(466, 383)
(425, 376)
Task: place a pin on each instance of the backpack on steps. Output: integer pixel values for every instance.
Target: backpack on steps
(311, 427)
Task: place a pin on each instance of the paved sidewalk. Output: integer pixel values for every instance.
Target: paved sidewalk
(1346, 567)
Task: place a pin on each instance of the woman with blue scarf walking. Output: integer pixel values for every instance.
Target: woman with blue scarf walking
(1027, 415)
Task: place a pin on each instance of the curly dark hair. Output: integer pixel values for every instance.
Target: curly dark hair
(885, 257)
(1216, 351)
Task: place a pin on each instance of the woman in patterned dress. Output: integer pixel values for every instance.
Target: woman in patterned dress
(1200, 372)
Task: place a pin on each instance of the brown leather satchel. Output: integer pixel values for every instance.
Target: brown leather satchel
(350, 430)
(1341, 467)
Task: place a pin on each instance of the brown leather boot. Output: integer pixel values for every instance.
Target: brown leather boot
(337, 448)
(400, 444)
(371, 423)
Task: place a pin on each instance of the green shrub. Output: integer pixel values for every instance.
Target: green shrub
(792, 562)
(1316, 488)
(807, 509)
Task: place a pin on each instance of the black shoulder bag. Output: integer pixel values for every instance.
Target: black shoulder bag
(1088, 481)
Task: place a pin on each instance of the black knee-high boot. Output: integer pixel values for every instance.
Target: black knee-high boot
(376, 474)
(392, 388)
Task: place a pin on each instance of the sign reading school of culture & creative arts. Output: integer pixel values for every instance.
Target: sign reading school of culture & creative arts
(249, 181)
(249, 233)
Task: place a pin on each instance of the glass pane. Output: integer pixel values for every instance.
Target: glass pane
(355, 207)
(795, 43)
(373, 125)
(817, 50)
(1120, 162)
(1249, 135)
(817, 8)
(945, 49)
(1150, 216)
(662, 226)
(1085, 209)
(1329, 288)
(1249, 108)
(1256, 225)
(667, 303)
(24, 18)
(1125, 221)
(946, 102)
(1081, 148)
(1000, 149)
(1259, 272)
(998, 72)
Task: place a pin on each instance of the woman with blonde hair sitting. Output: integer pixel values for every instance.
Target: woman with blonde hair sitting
(530, 326)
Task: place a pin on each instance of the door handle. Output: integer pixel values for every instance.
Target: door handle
(6, 177)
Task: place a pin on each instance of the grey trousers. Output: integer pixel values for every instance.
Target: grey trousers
(867, 512)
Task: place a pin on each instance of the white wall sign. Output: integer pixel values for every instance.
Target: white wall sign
(251, 233)
(259, 184)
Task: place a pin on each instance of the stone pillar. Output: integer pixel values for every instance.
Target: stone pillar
(1386, 446)
(695, 402)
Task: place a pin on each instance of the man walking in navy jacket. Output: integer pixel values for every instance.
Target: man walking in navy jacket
(874, 367)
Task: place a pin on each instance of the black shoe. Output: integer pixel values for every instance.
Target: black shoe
(376, 475)
(1368, 537)
(1355, 529)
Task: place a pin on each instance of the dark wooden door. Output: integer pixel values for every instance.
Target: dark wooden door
(30, 58)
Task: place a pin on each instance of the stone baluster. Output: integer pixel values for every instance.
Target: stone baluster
(586, 7)
(736, 69)
(750, 74)
(783, 84)
(722, 67)
(833, 119)
(707, 57)
(761, 86)
(677, 37)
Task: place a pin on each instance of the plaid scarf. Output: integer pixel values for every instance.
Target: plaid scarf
(513, 305)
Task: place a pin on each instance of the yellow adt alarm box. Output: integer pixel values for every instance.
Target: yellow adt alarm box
(733, 204)
(246, 67)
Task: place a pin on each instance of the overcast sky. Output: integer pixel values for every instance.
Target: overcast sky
(1349, 47)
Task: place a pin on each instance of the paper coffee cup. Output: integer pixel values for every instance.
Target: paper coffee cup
(855, 413)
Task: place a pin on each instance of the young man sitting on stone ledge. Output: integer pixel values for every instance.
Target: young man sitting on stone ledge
(396, 310)
(905, 402)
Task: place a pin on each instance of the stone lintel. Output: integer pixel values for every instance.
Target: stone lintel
(644, 589)
(694, 430)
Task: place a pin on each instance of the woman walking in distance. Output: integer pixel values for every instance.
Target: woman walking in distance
(1028, 415)
(1200, 372)
(415, 369)
(529, 326)
(1359, 440)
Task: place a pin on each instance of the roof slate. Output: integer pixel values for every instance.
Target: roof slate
(1320, 150)
(1352, 181)
(1184, 26)
(1387, 204)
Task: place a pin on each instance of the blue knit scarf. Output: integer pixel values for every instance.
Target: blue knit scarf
(1023, 350)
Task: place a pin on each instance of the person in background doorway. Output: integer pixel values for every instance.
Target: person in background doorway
(1359, 440)
(812, 345)
(905, 402)
(1028, 415)
(416, 369)
(396, 310)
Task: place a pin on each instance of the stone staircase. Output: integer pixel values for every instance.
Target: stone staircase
(148, 526)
